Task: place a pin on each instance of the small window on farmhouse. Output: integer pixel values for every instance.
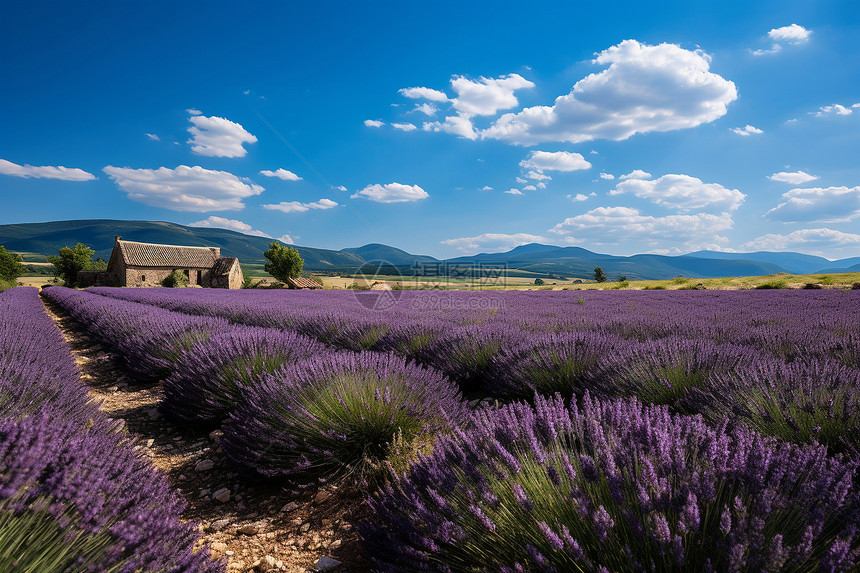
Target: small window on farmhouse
(143, 278)
(187, 273)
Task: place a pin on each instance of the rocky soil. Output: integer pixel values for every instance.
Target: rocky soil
(252, 524)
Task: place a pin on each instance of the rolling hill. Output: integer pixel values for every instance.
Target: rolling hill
(532, 259)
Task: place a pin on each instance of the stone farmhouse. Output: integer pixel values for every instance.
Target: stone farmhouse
(134, 264)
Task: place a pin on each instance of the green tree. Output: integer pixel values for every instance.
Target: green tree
(538, 282)
(284, 262)
(599, 275)
(622, 279)
(176, 279)
(10, 265)
(71, 262)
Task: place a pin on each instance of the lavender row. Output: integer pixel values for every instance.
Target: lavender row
(614, 486)
(37, 373)
(74, 494)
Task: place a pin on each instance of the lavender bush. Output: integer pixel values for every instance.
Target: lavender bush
(73, 500)
(338, 415)
(815, 400)
(209, 380)
(37, 372)
(613, 486)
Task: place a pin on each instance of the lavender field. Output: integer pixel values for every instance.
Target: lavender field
(499, 431)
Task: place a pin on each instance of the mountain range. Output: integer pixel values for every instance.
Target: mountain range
(540, 260)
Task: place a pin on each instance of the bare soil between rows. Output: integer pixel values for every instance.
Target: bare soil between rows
(264, 526)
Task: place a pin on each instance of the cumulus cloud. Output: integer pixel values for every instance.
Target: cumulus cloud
(793, 34)
(427, 109)
(617, 224)
(230, 224)
(486, 96)
(554, 161)
(44, 172)
(829, 205)
(529, 188)
(423, 93)
(192, 111)
(578, 197)
(281, 174)
(486, 188)
(607, 176)
(537, 176)
(747, 130)
(794, 178)
(644, 89)
(218, 137)
(184, 188)
(807, 239)
(404, 126)
(373, 123)
(455, 125)
(297, 207)
(513, 191)
(391, 193)
(287, 240)
(493, 242)
(682, 192)
(636, 174)
(835, 109)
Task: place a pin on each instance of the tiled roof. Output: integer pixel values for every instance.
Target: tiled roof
(152, 255)
(223, 265)
(302, 282)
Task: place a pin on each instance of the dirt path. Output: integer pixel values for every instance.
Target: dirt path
(262, 526)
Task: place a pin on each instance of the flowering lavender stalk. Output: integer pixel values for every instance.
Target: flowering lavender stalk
(73, 500)
(613, 485)
(339, 414)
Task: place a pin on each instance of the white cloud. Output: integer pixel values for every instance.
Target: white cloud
(748, 130)
(835, 109)
(794, 178)
(830, 205)
(537, 176)
(578, 197)
(636, 174)
(522, 181)
(804, 238)
(281, 174)
(341, 188)
(529, 188)
(192, 111)
(455, 125)
(486, 188)
(153, 137)
(404, 126)
(682, 192)
(423, 93)
(793, 34)
(554, 161)
(775, 49)
(427, 109)
(513, 191)
(230, 224)
(607, 176)
(619, 224)
(494, 242)
(487, 95)
(391, 193)
(44, 172)
(297, 207)
(218, 137)
(287, 240)
(184, 188)
(373, 123)
(644, 89)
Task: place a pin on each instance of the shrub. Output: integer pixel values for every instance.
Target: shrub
(176, 279)
(569, 363)
(73, 500)
(803, 402)
(539, 282)
(211, 378)
(773, 284)
(615, 486)
(663, 371)
(70, 262)
(599, 275)
(338, 415)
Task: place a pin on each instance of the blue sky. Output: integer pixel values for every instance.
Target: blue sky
(443, 128)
